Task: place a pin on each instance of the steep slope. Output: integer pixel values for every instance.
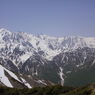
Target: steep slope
(4, 79)
(10, 79)
(78, 66)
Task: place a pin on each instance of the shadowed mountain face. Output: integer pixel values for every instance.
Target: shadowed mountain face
(48, 60)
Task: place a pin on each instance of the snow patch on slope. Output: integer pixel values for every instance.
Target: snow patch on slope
(5, 80)
(26, 83)
(61, 75)
(12, 75)
(3, 77)
(25, 57)
(41, 81)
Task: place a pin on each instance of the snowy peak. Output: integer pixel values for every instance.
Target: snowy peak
(4, 31)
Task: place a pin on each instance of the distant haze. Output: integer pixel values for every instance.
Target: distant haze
(50, 17)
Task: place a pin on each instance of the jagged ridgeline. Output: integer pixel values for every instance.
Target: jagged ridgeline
(27, 60)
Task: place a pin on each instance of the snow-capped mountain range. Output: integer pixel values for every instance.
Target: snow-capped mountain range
(46, 46)
(45, 57)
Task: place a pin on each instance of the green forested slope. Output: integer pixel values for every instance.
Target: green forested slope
(50, 90)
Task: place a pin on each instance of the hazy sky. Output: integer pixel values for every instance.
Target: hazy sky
(50, 17)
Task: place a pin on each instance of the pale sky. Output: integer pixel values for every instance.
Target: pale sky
(50, 17)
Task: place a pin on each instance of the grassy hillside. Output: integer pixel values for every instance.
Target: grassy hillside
(50, 90)
(86, 90)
